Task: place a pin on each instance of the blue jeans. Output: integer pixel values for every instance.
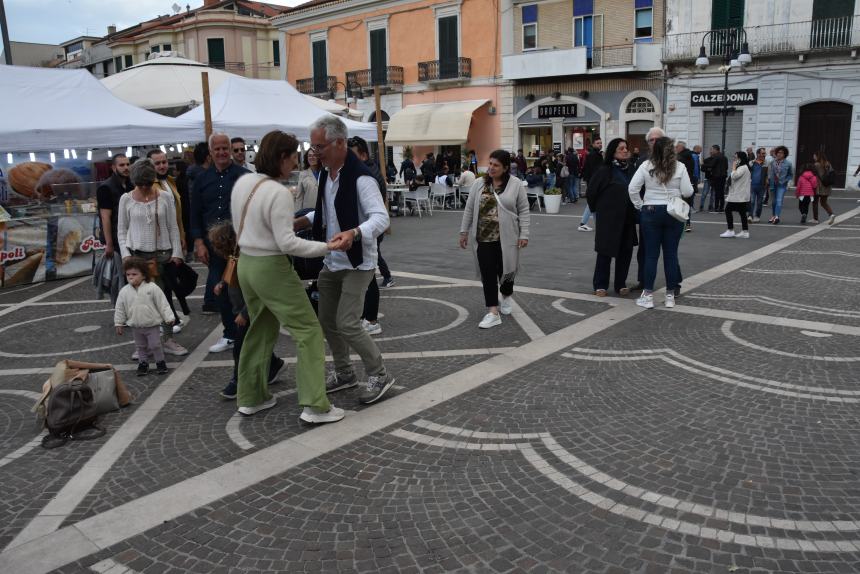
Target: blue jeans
(756, 199)
(216, 272)
(660, 231)
(586, 215)
(550, 181)
(706, 190)
(777, 197)
(573, 188)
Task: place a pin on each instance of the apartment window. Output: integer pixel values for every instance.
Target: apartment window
(129, 61)
(105, 68)
(449, 46)
(276, 53)
(155, 49)
(319, 53)
(640, 106)
(582, 31)
(378, 57)
(166, 47)
(215, 52)
(530, 27)
(117, 64)
(644, 22)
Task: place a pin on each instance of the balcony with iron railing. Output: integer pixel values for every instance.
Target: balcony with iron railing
(388, 78)
(445, 70)
(235, 67)
(316, 86)
(822, 35)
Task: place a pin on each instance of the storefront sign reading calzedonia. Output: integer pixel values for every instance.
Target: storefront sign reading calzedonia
(712, 98)
(557, 111)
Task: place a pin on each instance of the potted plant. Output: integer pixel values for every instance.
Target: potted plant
(552, 200)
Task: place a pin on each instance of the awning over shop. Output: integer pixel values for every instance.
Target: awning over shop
(445, 123)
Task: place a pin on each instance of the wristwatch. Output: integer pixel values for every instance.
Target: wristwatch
(357, 234)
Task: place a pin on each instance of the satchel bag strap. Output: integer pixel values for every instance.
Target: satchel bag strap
(156, 219)
(503, 208)
(245, 212)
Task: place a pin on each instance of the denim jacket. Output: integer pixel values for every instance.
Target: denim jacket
(780, 173)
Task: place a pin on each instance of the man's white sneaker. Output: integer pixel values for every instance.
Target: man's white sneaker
(221, 346)
(670, 300)
(248, 411)
(743, 235)
(831, 220)
(371, 328)
(171, 347)
(583, 227)
(756, 219)
(728, 233)
(505, 306)
(490, 320)
(646, 301)
(311, 415)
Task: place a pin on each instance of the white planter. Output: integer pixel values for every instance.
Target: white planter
(552, 203)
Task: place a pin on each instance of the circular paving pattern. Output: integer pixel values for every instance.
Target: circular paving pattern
(55, 330)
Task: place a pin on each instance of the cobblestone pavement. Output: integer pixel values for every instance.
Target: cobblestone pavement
(582, 435)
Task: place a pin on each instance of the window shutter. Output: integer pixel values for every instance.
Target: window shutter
(448, 52)
(378, 58)
(320, 67)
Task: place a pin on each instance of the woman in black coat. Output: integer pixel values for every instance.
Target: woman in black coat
(616, 221)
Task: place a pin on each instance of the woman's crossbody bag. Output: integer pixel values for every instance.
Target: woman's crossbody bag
(676, 206)
(231, 271)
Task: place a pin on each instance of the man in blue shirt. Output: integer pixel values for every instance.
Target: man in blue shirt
(210, 204)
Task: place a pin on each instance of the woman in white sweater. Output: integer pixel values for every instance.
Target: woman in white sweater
(263, 211)
(663, 178)
(738, 197)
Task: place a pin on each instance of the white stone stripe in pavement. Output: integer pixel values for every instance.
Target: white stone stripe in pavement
(824, 253)
(110, 566)
(525, 322)
(45, 295)
(613, 483)
(727, 332)
(766, 320)
(558, 304)
(807, 272)
(682, 362)
(73, 492)
(56, 548)
(792, 305)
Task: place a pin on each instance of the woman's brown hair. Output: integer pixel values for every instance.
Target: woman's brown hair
(273, 147)
(663, 160)
(222, 237)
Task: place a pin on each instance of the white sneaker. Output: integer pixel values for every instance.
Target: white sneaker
(756, 219)
(505, 306)
(311, 415)
(728, 233)
(831, 220)
(135, 356)
(177, 328)
(743, 235)
(371, 328)
(670, 300)
(171, 347)
(490, 320)
(248, 411)
(647, 301)
(583, 227)
(221, 346)
(749, 218)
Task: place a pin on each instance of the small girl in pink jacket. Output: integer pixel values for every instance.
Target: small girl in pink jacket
(807, 184)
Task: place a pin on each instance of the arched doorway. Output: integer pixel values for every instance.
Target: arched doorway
(825, 126)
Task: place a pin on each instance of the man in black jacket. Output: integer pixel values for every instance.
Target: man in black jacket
(716, 168)
(685, 156)
(108, 195)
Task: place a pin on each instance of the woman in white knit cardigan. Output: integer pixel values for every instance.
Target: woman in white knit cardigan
(497, 218)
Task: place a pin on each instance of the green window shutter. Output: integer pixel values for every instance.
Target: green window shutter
(448, 50)
(378, 57)
(320, 67)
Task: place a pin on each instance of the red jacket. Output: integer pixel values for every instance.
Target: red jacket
(807, 183)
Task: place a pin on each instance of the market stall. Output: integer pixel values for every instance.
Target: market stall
(56, 125)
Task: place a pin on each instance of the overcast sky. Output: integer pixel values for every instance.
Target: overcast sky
(55, 21)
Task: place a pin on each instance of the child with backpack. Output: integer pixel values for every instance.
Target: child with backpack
(142, 306)
(222, 237)
(807, 184)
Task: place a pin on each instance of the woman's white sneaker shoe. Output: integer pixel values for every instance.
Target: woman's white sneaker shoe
(505, 306)
(248, 411)
(670, 300)
(727, 233)
(490, 320)
(646, 301)
(743, 235)
(313, 416)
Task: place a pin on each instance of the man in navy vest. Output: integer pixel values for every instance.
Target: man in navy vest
(351, 213)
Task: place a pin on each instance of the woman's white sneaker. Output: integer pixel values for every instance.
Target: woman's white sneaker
(490, 320)
(248, 411)
(505, 306)
(728, 233)
(670, 300)
(646, 301)
(743, 235)
(311, 415)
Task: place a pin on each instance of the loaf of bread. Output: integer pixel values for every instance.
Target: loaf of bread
(24, 177)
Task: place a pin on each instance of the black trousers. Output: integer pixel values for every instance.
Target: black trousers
(741, 208)
(803, 204)
(491, 267)
(718, 188)
(622, 267)
(380, 262)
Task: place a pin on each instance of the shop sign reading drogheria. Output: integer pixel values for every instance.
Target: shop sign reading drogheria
(715, 98)
(557, 111)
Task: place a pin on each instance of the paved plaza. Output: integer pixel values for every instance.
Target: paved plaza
(584, 434)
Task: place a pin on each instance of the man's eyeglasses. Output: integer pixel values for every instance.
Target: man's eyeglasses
(238, 149)
(319, 147)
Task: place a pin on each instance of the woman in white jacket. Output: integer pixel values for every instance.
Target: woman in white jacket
(664, 178)
(739, 196)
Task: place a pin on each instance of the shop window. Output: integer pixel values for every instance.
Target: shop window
(640, 106)
(644, 23)
(529, 27)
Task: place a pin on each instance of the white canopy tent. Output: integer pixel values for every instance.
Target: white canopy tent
(335, 108)
(169, 84)
(49, 109)
(443, 123)
(252, 108)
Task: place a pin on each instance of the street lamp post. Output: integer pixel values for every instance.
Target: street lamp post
(347, 91)
(732, 59)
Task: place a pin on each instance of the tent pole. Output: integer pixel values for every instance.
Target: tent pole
(4, 29)
(207, 110)
(377, 95)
